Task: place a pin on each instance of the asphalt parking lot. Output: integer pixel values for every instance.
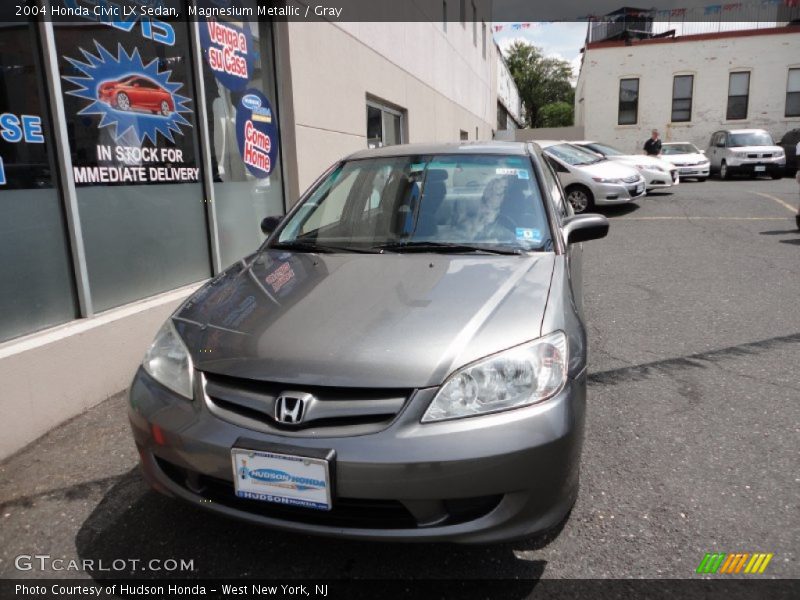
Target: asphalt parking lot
(693, 430)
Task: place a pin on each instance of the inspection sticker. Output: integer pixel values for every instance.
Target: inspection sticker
(529, 235)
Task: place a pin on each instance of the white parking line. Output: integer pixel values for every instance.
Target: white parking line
(791, 208)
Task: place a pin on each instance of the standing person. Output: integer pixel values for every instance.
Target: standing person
(652, 147)
(797, 176)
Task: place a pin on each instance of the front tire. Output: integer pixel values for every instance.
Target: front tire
(123, 102)
(724, 173)
(701, 179)
(580, 198)
(777, 175)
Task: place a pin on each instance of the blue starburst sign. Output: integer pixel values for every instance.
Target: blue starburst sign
(128, 95)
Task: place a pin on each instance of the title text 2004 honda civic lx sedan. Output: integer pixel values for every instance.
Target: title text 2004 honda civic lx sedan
(403, 359)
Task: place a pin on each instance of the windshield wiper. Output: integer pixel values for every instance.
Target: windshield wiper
(301, 246)
(446, 247)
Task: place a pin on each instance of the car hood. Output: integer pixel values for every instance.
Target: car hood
(690, 157)
(610, 169)
(363, 320)
(757, 149)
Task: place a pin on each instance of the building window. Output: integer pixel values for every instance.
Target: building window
(483, 39)
(463, 12)
(682, 98)
(628, 101)
(37, 289)
(444, 16)
(136, 159)
(793, 93)
(738, 94)
(384, 126)
(474, 25)
(463, 135)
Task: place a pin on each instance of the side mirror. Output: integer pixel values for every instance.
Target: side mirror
(269, 224)
(582, 228)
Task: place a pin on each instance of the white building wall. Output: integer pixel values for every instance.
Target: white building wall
(768, 57)
(440, 79)
(507, 92)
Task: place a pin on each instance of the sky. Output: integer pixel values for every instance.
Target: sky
(559, 40)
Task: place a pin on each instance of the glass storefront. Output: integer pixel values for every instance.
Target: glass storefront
(135, 157)
(132, 117)
(37, 288)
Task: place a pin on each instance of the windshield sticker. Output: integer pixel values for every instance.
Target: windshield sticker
(529, 235)
(519, 173)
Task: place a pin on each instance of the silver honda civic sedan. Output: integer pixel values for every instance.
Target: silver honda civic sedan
(404, 358)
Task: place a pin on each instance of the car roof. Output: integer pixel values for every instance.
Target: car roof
(513, 148)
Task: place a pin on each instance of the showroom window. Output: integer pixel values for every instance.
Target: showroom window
(793, 93)
(37, 289)
(384, 126)
(242, 109)
(682, 98)
(738, 95)
(131, 125)
(628, 102)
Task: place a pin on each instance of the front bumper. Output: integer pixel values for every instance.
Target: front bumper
(618, 193)
(660, 179)
(480, 479)
(756, 167)
(701, 170)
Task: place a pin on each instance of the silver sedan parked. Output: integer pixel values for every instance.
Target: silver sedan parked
(591, 180)
(404, 358)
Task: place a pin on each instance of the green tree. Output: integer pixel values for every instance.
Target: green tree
(540, 80)
(556, 114)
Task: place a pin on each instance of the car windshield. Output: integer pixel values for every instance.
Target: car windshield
(573, 155)
(751, 138)
(679, 149)
(605, 150)
(436, 203)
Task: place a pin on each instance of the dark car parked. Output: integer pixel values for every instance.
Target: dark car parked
(403, 359)
(789, 143)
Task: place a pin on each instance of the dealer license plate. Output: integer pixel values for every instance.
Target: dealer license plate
(760, 168)
(282, 478)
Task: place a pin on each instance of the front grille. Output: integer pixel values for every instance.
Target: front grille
(631, 179)
(345, 512)
(337, 410)
(762, 155)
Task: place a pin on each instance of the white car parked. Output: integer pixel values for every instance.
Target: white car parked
(656, 172)
(690, 161)
(591, 180)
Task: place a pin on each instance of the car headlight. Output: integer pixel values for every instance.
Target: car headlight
(517, 377)
(606, 180)
(168, 361)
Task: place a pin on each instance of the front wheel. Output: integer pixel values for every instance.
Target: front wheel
(123, 102)
(580, 198)
(724, 173)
